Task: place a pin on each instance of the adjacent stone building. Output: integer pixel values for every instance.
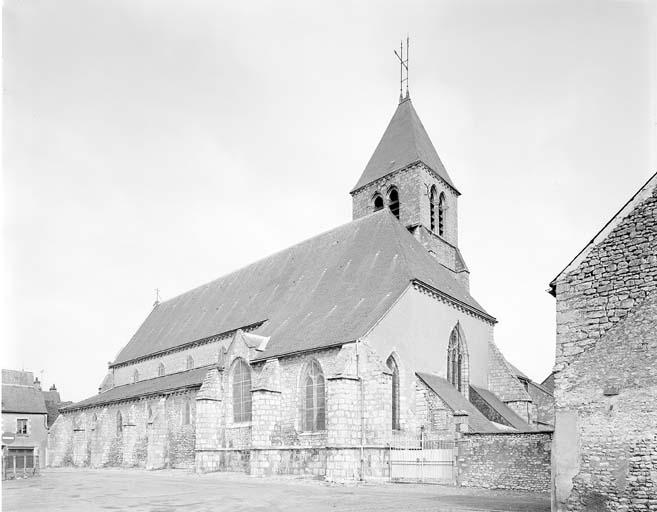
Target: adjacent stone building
(313, 361)
(24, 414)
(605, 380)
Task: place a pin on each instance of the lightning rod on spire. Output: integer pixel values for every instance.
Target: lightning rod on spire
(403, 66)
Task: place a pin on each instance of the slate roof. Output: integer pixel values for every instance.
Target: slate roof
(404, 142)
(507, 413)
(22, 399)
(477, 422)
(181, 380)
(326, 291)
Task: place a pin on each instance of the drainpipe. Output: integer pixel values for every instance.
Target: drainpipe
(362, 412)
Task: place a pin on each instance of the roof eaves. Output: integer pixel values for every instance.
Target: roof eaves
(462, 304)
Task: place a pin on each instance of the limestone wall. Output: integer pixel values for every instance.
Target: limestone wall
(606, 370)
(153, 433)
(505, 461)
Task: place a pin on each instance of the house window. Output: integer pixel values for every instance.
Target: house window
(432, 208)
(160, 370)
(313, 399)
(241, 391)
(190, 362)
(378, 203)
(119, 424)
(392, 365)
(457, 360)
(393, 201)
(21, 426)
(441, 214)
(135, 376)
(187, 412)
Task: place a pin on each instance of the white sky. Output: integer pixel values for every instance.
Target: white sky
(162, 144)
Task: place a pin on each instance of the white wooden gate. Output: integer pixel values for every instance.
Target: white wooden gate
(420, 460)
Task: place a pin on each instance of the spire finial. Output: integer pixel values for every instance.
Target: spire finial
(403, 66)
(157, 297)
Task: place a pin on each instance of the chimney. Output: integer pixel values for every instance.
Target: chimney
(53, 388)
(37, 383)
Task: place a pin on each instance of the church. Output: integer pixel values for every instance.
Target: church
(320, 359)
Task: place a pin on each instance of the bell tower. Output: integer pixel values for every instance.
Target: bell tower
(405, 175)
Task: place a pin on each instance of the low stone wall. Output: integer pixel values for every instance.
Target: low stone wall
(517, 461)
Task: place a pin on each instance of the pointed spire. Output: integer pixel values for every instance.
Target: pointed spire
(404, 142)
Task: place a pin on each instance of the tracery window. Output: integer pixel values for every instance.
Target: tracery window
(393, 202)
(190, 362)
(241, 391)
(392, 365)
(432, 208)
(378, 203)
(457, 360)
(441, 214)
(313, 398)
(160, 370)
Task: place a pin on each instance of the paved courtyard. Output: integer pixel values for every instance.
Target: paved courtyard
(172, 490)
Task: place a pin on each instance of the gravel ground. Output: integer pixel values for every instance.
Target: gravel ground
(172, 490)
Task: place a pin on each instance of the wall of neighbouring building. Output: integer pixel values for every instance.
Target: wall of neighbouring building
(606, 370)
(37, 433)
(516, 461)
(91, 437)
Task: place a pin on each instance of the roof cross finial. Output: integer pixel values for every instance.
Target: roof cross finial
(157, 297)
(403, 66)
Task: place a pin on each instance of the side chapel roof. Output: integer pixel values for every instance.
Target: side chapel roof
(325, 291)
(404, 142)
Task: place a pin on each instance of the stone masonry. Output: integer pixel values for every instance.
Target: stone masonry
(606, 367)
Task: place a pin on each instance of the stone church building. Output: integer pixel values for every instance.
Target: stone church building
(314, 360)
(605, 380)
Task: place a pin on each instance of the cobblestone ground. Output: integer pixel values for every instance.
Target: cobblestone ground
(168, 491)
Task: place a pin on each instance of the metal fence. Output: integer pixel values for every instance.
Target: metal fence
(418, 459)
(19, 465)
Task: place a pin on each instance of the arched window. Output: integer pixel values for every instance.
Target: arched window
(160, 370)
(378, 203)
(135, 376)
(393, 202)
(119, 423)
(187, 412)
(241, 391)
(94, 421)
(457, 360)
(432, 208)
(190, 362)
(392, 365)
(313, 398)
(149, 414)
(441, 214)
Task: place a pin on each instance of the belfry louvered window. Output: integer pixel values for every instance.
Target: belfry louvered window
(441, 215)
(393, 202)
(313, 399)
(241, 391)
(432, 208)
(378, 203)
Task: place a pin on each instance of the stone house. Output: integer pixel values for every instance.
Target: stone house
(24, 414)
(315, 359)
(605, 380)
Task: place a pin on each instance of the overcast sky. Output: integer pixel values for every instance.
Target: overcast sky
(161, 144)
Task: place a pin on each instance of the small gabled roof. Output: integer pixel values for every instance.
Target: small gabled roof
(453, 399)
(404, 142)
(639, 197)
(326, 291)
(503, 410)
